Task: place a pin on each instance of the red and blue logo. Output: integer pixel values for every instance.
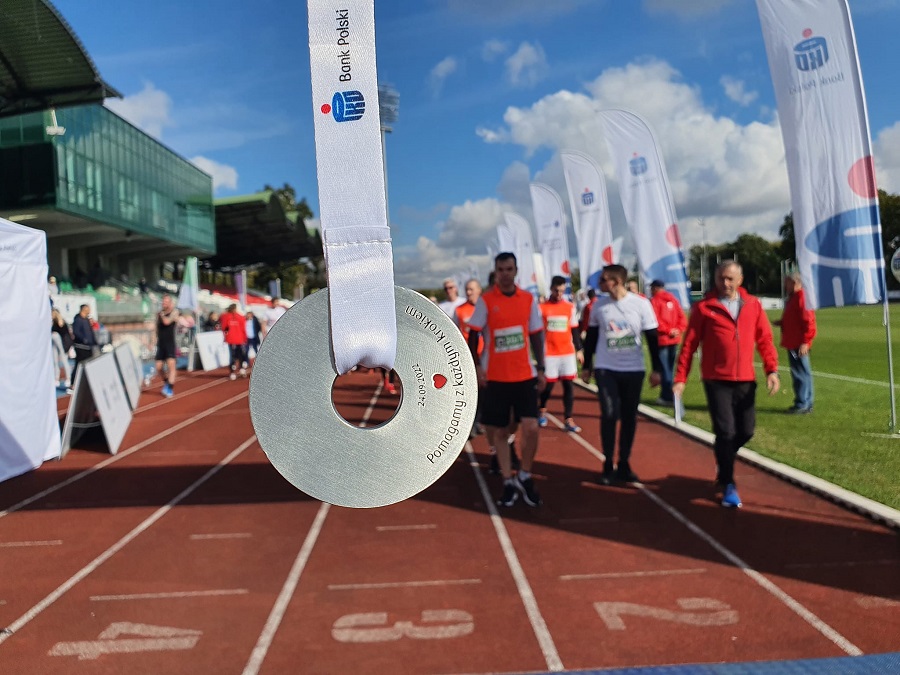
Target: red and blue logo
(587, 197)
(811, 53)
(346, 106)
(638, 165)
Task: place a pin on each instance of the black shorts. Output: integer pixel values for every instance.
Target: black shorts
(238, 353)
(502, 398)
(165, 351)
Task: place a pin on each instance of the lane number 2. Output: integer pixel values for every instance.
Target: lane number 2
(694, 612)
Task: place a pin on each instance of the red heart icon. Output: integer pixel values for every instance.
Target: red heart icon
(439, 381)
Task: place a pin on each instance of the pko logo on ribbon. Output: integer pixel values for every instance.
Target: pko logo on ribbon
(638, 165)
(812, 53)
(346, 106)
(587, 197)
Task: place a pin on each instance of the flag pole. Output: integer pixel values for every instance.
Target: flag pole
(890, 355)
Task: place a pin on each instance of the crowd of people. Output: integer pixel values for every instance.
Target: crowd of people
(521, 347)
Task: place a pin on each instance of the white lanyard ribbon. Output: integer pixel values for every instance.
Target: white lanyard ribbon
(352, 204)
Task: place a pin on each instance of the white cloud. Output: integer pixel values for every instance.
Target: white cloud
(149, 110)
(444, 69)
(223, 176)
(734, 89)
(527, 66)
(493, 49)
(470, 225)
(887, 159)
(427, 263)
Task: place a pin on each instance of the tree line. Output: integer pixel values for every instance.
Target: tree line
(761, 259)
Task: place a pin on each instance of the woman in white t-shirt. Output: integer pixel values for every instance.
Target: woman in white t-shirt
(620, 323)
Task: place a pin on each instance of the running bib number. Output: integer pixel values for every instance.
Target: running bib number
(557, 324)
(509, 339)
(621, 343)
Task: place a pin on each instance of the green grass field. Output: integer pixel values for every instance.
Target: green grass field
(839, 441)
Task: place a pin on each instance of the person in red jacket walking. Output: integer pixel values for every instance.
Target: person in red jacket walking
(234, 325)
(798, 328)
(728, 322)
(672, 323)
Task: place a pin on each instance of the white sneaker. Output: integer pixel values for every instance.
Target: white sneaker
(232, 377)
(243, 372)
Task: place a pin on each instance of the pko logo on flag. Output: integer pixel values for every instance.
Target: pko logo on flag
(346, 106)
(587, 197)
(638, 165)
(812, 53)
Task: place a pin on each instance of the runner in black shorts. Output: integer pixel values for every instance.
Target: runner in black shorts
(166, 321)
(509, 318)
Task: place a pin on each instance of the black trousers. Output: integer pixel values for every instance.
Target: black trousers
(568, 396)
(732, 408)
(619, 393)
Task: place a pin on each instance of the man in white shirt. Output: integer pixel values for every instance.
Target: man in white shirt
(273, 313)
(619, 324)
(453, 299)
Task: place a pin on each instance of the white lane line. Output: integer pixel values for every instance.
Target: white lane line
(23, 544)
(105, 504)
(372, 402)
(627, 575)
(850, 563)
(224, 535)
(173, 594)
(801, 611)
(842, 378)
(403, 584)
(284, 597)
(32, 613)
(180, 395)
(180, 453)
(121, 455)
(872, 602)
(538, 625)
(401, 528)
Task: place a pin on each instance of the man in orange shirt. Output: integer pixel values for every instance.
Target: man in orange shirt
(509, 318)
(562, 348)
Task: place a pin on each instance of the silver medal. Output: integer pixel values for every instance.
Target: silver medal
(328, 458)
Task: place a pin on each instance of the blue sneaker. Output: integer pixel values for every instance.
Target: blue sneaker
(167, 391)
(731, 499)
(542, 421)
(573, 428)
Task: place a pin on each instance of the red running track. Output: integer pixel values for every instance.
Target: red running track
(188, 553)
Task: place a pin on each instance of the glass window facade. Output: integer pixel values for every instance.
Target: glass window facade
(107, 170)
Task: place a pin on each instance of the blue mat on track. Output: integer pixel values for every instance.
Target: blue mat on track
(876, 664)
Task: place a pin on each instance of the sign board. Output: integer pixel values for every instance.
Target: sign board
(131, 371)
(99, 401)
(70, 305)
(212, 349)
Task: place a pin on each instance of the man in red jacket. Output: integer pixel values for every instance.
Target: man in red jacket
(234, 325)
(798, 328)
(672, 323)
(728, 321)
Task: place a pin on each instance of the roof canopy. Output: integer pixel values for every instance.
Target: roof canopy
(252, 229)
(42, 62)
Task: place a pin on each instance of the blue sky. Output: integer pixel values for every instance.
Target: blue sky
(490, 91)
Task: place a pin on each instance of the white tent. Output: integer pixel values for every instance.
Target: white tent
(29, 425)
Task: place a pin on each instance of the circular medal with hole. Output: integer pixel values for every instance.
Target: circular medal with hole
(328, 458)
